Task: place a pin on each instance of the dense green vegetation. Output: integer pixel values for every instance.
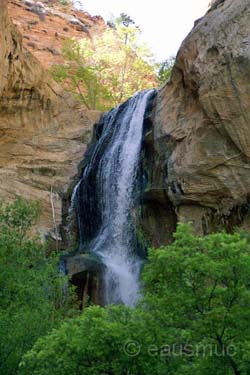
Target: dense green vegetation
(193, 319)
(33, 298)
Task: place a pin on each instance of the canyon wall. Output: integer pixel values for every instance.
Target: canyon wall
(197, 147)
(201, 132)
(46, 24)
(43, 131)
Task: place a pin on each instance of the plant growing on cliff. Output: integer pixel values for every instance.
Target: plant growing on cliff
(32, 299)
(107, 69)
(165, 69)
(194, 318)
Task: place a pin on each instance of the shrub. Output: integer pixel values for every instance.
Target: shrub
(32, 298)
(193, 319)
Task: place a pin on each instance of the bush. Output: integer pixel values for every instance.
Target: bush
(193, 319)
(199, 290)
(32, 299)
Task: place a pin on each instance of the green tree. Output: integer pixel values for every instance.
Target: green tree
(199, 288)
(100, 341)
(123, 19)
(194, 318)
(32, 297)
(124, 24)
(107, 69)
(165, 69)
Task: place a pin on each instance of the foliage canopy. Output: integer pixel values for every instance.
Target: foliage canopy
(194, 318)
(109, 68)
(32, 292)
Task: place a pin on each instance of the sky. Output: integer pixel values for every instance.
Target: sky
(164, 23)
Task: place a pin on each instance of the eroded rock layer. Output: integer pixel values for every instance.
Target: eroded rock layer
(201, 129)
(43, 131)
(46, 24)
(195, 154)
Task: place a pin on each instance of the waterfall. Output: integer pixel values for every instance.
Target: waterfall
(105, 198)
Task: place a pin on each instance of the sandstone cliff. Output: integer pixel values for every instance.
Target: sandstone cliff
(43, 131)
(201, 131)
(196, 156)
(196, 150)
(46, 24)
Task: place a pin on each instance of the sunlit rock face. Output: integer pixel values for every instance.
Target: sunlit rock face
(195, 155)
(43, 131)
(44, 26)
(202, 121)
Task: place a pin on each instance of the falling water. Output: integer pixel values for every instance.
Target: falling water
(105, 199)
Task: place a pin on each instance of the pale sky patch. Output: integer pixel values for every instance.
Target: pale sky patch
(164, 23)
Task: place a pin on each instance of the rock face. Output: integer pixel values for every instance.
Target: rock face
(201, 132)
(196, 149)
(43, 131)
(85, 272)
(46, 24)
